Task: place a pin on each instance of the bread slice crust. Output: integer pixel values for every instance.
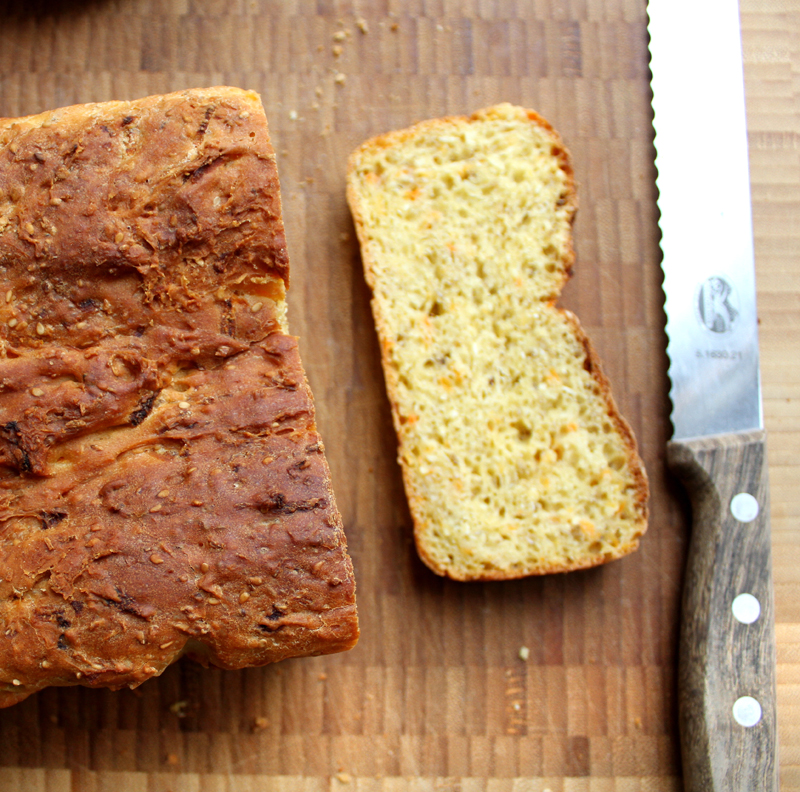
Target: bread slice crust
(410, 185)
(163, 485)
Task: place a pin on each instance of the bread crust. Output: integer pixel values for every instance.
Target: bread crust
(163, 486)
(416, 498)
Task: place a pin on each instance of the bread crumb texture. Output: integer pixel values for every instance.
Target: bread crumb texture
(515, 458)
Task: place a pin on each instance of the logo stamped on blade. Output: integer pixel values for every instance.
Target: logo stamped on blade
(717, 305)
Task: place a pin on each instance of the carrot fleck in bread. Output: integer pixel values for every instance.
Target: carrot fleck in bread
(163, 487)
(515, 458)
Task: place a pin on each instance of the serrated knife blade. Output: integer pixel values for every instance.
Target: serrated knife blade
(726, 678)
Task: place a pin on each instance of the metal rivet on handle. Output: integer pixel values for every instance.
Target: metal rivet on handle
(746, 608)
(744, 507)
(746, 711)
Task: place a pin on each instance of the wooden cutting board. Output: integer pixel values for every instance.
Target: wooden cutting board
(436, 695)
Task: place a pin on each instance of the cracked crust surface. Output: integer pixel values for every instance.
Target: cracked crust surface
(163, 487)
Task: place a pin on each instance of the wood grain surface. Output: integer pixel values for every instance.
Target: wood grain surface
(436, 695)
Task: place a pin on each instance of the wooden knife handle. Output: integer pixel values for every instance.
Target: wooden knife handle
(725, 659)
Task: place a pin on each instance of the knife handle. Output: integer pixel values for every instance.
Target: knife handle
(727, 642)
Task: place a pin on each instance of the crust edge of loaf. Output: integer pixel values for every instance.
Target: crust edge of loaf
(66, 112)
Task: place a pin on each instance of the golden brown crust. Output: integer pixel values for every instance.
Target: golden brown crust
(163, 488)
(635, 465)
(416, 499)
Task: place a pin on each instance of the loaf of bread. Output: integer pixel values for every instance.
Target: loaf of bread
(514, 456)
(163, 487)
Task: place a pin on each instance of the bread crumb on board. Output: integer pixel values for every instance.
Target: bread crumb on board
(179, 708)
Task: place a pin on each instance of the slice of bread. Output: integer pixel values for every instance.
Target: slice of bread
(515, 458)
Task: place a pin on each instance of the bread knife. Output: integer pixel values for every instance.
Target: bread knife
(726, 674)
